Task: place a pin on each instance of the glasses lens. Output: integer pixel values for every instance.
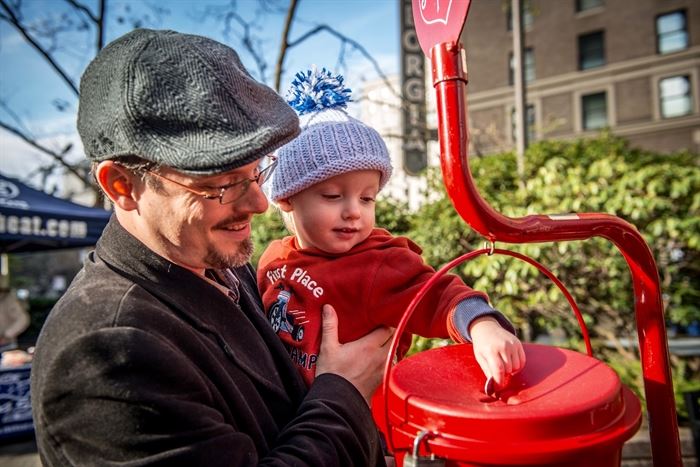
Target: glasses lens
(234, 192)
(266, 173)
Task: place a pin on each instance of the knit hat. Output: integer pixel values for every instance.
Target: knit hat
(180, 100)
(331, 141)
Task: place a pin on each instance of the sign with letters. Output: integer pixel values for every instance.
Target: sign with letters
(415, 157)
(31, 220)
(439, 21)
(15, 403)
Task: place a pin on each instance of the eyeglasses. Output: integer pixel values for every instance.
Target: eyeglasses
(233, 191)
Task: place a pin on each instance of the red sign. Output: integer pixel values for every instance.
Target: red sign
(439, 21)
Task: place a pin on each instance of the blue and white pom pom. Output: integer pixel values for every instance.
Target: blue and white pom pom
(313, 91)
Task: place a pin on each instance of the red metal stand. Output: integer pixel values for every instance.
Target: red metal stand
(449, 74)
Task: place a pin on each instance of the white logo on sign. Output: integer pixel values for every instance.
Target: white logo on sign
(440, 18)
(8, 190)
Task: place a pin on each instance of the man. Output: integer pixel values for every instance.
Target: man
(14, 319)
(158, 353)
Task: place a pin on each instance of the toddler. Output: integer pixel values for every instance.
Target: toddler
(326, 184)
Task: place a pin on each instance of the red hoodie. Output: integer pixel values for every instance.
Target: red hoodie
(369, 286)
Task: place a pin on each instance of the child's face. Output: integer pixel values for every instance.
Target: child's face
(336, 214)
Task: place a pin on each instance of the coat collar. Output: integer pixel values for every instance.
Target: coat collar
(235, 326)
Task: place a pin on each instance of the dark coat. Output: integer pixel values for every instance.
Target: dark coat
(142, 362)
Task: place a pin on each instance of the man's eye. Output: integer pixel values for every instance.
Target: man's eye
(221, 187)
(212, 190)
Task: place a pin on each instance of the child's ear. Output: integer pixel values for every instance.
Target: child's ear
(285, 205)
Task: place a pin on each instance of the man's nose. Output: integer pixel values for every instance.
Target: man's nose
(254, 199)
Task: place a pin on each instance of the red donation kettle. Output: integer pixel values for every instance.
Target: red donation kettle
(563, 409)
(438, 26)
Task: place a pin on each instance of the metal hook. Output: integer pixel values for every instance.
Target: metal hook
(419, 439)
(491, 245)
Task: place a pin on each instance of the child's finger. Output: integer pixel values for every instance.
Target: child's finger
(523, 359)
(507, 356)
(496, 367)
(518, 359)
(483, 364)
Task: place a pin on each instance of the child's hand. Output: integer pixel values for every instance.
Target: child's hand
(498, 352)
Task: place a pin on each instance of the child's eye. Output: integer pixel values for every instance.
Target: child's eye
(330, 196)
(367, 199)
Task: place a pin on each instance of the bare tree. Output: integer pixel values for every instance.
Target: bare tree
(254, 39)
(52, 36)
(251, 36)
(43, 37)
(75, 31)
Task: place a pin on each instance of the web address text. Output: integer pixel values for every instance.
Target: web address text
(38, 227)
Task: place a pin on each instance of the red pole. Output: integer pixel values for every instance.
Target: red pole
(449, 80)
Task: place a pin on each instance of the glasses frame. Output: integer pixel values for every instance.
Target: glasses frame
(263, 174)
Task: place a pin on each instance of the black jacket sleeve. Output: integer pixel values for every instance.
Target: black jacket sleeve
(122, 396)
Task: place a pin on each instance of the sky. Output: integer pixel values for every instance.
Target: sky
(31, 93)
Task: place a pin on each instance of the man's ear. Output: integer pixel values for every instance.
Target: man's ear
(118, 184)
(285, 205)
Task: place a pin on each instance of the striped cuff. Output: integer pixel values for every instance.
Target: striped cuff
(471, 308)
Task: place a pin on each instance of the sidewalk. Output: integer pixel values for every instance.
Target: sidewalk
(635, 453)
(19, 454)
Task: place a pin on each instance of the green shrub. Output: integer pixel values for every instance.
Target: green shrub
(657, 193)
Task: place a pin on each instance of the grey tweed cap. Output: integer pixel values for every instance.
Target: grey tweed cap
(179, 100)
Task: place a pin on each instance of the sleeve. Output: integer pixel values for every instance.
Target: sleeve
(154, 401)
(396, 282)
(159, 411)
(466, 312)
(333, 426)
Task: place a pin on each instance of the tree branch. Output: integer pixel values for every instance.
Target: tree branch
(56, 156)
(82, 8)
(346, 40)
(284, 43)
(97, 19)
(247, 41)
(100, 24)
(13, 115)
(12, 19)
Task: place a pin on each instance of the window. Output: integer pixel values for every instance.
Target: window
(674, 96)
(529, 62)
(671, 32)
(529, 123)
(591, 50)
(595, 111)
(583, 5)
(527, 15)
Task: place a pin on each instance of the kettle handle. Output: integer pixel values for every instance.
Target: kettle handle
(424, 289)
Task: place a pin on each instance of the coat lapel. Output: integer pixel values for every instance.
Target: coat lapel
(241, 332)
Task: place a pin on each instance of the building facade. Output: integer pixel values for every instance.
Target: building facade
(380, 107)
(632, 66)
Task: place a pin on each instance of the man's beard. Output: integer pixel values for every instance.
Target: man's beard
(217, 260)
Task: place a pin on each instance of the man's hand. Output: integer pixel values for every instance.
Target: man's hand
(361, 362)
(498, 352)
